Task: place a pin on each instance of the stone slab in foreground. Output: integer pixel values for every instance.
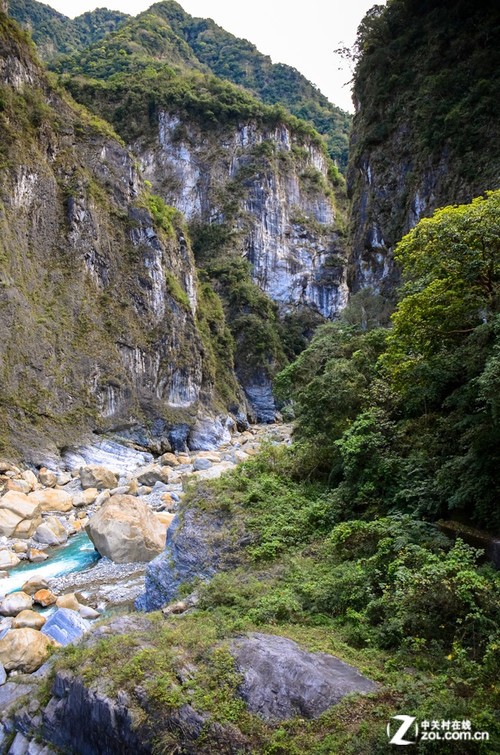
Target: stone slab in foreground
(282, 681)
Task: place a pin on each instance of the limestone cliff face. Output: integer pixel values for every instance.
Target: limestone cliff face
(99, 309)
(271, 188)
(426, 129)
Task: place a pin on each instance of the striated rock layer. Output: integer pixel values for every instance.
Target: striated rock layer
(285, 219)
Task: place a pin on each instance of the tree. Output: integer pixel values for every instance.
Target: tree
(451, 269)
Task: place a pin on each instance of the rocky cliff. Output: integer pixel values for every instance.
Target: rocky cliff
(426, 132)
(263, 200)
(103, 324)
(272, 190)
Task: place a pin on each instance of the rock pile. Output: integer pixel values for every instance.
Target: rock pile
(26, 636)
(41, 508)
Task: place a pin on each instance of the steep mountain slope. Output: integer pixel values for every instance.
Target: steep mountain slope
(166, 33)
(239, 61)
(254, 182)
(104, 325)
(56, 34)
(426, 131)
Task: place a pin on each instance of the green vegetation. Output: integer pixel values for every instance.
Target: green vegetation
(163, 215)
(56, 34)
(407, 419)
(450, 89)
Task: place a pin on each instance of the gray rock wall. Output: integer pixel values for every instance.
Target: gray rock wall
(272, 189)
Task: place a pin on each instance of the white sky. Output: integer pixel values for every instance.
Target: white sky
(302, 34)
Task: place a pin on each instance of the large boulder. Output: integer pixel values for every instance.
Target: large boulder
(8, 559)
(280, 680)
(24, 649)
(30, 477)
(65, 626)
(68, 601)
(51, 532)
(8, 522)
(152, 474)
(52, 500)
(36, 556)
(17, 486)
(125, 530)
(47, 477)
(168, 460)
(44, 597)
(34, 584)
(21, 504)
(28, 618)
(27, 527)
(94, 476)
(14, 603)
(85, 497)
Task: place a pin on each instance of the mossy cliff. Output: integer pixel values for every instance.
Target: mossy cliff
(99, 307)
(263, 200)
(426, 92)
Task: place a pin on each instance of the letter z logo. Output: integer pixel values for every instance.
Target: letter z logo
(407, 722)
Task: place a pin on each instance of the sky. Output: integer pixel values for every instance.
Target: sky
(302, 34)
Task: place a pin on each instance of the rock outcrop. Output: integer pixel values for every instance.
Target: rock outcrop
(197, 546)
(280, 680)
(285, 218)
(109, 729)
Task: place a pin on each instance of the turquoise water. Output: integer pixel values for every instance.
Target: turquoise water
(77, 554)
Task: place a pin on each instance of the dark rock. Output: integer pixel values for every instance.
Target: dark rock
(177, 437)
(197, 546)
(259, 392)
(86, 721)
(282, 681)
(241, 419)
(65, 626)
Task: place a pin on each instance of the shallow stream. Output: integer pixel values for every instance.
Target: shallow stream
(77, 554)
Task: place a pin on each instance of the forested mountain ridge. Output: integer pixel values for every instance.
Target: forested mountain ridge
(56, 34)
(166, 33)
